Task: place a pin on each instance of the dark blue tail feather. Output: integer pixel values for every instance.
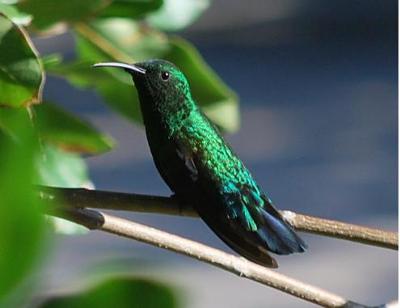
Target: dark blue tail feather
(278, 235)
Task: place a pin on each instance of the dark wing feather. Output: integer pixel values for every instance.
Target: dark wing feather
(247, 222)
(176, 167)
(268, 223)
(254, 218)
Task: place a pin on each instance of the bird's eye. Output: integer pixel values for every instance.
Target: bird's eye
(165, 76)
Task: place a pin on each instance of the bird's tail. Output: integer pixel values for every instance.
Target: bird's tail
(252, 227)
(273, 234)
(278, 235)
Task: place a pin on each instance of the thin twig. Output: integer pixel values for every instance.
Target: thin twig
(237, 265)
(94, 36)
(342, 230)
(83, 198)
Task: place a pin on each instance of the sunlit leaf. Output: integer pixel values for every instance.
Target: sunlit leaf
(177, 14)
(118, 292)
(21, 224)
(59, 168)
(21, 74)
(15, 15)
(61, 128)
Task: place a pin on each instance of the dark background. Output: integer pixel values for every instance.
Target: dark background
(318, 88)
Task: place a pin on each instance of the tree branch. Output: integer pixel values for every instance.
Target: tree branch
(237, 265)
(83, 198)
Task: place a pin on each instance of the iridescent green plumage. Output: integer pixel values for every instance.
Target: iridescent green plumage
(201, 169)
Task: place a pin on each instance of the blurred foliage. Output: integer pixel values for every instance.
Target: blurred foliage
(21, 225)
(41, 143)
(47, 13)
(105, 40)
(118, 292)
(66, 131)
(132, 9)
(16, 16)
(59, 168)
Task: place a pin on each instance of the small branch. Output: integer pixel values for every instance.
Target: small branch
(83, 198)
(342, 230)
(237, 265)
(93, 36)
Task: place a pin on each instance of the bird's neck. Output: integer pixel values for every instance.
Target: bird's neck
(166, 118)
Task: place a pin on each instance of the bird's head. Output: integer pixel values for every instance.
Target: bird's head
(161, 86)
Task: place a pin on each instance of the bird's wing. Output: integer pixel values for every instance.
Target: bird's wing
(241, 216)
(255, 213)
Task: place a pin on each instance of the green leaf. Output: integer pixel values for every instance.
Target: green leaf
(46, 13)
(63, 226)
(15, 15)
(59, 168)
(115, 86)
(21, 224)
(177, 14)
(54, 166)
(123, 40)
(10, 126)
(68, 132)
(21, 73)
(51, 60)
(133, 9)
(118, 292)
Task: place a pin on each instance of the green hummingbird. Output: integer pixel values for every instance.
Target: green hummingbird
(201, 168)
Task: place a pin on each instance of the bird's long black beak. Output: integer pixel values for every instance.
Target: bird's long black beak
(128, 67)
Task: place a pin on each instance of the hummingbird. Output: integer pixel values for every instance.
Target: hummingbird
(201, 169)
